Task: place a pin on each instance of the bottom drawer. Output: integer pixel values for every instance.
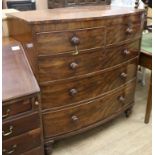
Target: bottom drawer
(77, 117)
(36, 151)
(22, 143)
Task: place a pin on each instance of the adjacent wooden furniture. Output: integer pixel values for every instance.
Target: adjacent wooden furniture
(22, 127)
(68, 3)
(145, 60)
(85, 60)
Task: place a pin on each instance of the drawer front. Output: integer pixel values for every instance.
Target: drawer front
(20, 125)
(22, 143)
(66, 65)
(17, 107)
(120, 33)
(77, 117)
(62, 93)
(59, 42)
(35, 151)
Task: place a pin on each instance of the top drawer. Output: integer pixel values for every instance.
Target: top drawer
(49, 43)
(121, 33)
(12, 108)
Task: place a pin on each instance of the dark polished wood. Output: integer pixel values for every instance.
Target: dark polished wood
(68, 3)
(145, 60)
(22, 143)
(87, 87)
(88, 113)
(67, 65)
(21, 124)
(58, 42)
(85, 60)
(18, 79)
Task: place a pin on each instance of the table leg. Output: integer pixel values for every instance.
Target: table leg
(149, 102)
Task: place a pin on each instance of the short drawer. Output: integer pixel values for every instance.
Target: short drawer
(20, 125)
(78, 117)
(49, 43)
(65, 92)
(123, 32)
(66, 65)
(12, 108)
(22, 143)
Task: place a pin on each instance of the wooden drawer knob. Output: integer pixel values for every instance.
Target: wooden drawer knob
(7, 114)
(75, 41)
(36, 103)
(73, 65)
(5, 134)
(126, 52)
(73, 92)
(11, 151)
(121, 99)
(123, 75)
(129, 30)
(75, 118)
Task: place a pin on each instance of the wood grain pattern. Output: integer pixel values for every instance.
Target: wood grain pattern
(86, 114)
(82, 13)
(120, 33)
(19, 106)
(36, 151)
(20, 125)
(17, 79)
(58, 42)
(97, 84)
(66, 65)
(66, 92)
(23, 143)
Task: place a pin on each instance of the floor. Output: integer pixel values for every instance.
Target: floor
(122, 136)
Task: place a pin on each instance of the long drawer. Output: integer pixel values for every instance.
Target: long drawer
(65, 92)
(66, 65)
(22, 143)
(20, 125)
(81, 116)
(59, 42)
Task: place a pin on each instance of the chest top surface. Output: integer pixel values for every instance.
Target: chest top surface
(73, 13)
(17, 78)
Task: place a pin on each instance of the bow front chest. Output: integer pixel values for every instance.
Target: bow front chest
(85, 61)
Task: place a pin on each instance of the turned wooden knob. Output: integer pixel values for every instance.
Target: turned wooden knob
(73, 65)
(126, 52)
(129, 30)
(121, 99)
(75, 118)
(123, 75)
(75, 40)
(73, 92)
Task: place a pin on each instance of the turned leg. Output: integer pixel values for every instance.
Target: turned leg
(49, 148)
(149, 103)
(128, 112)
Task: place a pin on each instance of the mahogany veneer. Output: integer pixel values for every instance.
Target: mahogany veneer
(85, 60)
(22, 127)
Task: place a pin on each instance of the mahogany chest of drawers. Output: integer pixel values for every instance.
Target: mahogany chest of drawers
(22, 127)
(85, 61)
